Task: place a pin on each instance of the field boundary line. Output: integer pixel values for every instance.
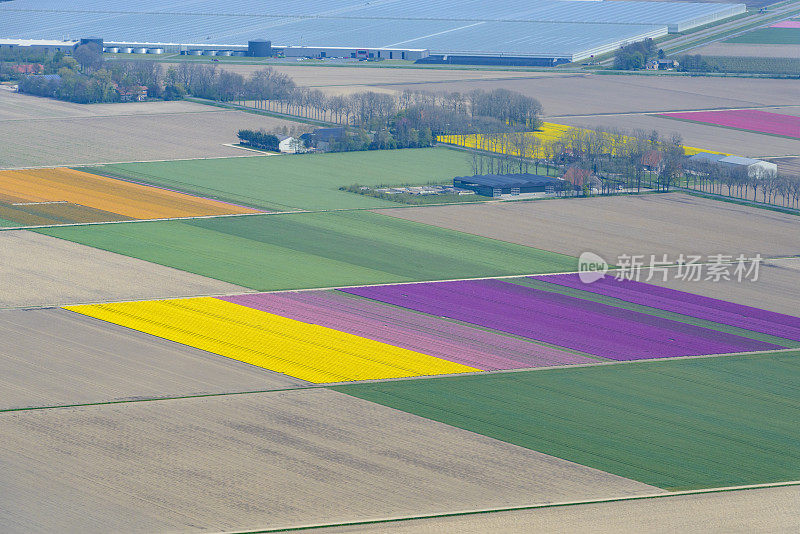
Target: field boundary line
(461, 513)
(330, 288)
(326, 385)
(99, 163)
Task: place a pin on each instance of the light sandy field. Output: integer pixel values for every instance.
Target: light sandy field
(56, 357)
(43, 132)
(592, 93)
(747, 50)
(39, 270)
(696, 135)
(260, 461)
(15, 106)
(311, 76)
(671, 223)
(788, 165)
(776, 289)
(746, 511)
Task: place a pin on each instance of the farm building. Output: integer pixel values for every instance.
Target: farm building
(754, 167)
(290, 145)
(541, 32)
(495, 185)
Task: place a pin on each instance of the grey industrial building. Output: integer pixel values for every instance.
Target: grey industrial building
(495, 185)
(543, 32)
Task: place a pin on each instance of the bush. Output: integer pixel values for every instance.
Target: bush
(259, 139)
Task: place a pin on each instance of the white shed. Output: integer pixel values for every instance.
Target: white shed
(755, 167)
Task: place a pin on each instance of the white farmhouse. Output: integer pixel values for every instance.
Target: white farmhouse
(290, 145)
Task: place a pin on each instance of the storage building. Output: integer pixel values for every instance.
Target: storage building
(495, 185)
(754, 167)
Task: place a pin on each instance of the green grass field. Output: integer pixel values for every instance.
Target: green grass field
(789, 36)
(293, 251)
(675, 424)
(308, 181)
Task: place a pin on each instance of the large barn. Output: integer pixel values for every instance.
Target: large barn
(495, 185)
(451, 31)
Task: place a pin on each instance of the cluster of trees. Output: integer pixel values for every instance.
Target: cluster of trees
(627, 160)
(615, 159)
(208, 81)
(635, 56)
(52, 62)
(499, 110)
(775, 189)
(85, 77)
(259, 139)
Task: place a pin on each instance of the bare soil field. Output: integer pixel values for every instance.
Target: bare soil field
(672, 223)
(16, 106)
(694, 134)
(747, 50)
(43, 132)
(788, 165)
(745, 511)
(312, 76)
(262, 460)
(39, 270)
(52, 362)
(777, 288)
(598, 94)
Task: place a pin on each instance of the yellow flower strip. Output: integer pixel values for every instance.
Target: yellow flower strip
(548, 134)
(306, 351)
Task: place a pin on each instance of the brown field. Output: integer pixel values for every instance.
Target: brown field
(41, 132)
(17, 106)
(747, 50)
(777, 288)
(591, 93)
(40, 270)
(788, 165)
(261, 461)
(59, 357)
(696, 135)
(313, 76)
(672, 224)
(745, 511)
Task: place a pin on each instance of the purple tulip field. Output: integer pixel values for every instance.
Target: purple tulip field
(581, 325)
(718, 311)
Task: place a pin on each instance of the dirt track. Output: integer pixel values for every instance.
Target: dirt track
(262, 460)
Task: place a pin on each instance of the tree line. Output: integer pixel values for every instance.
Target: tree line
(775, 189)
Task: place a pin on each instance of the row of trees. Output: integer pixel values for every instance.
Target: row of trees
(775, 189)
(259, 139)
(499, 110)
